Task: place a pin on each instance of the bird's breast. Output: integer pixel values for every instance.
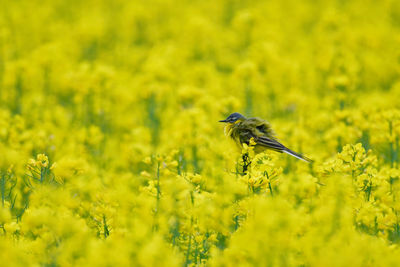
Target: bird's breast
(228, 130)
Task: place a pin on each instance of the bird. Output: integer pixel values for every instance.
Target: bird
(242, 130)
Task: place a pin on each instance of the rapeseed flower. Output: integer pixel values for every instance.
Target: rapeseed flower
(109, 142)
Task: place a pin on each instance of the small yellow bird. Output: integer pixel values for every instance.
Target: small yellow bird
(242, 129)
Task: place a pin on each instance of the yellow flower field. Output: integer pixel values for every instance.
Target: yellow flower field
(111, 153)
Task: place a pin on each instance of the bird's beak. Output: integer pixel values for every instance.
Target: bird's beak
(223, 121)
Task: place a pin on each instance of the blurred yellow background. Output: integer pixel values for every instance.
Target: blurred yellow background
(111, 152)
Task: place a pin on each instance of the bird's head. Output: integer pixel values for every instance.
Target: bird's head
(234, 117)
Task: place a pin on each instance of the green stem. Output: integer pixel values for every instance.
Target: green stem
(236, 220)
(105, 227)
(196, 252)
(392, 152)
(188, 250)
(155, 226)
(190, 233)
(3, 188)
(269, 183)
(158, 185)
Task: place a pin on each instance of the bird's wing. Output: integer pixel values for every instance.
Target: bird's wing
(275, 145)
(262, 126)
(269, 143)
(245, 135)
(263, 136)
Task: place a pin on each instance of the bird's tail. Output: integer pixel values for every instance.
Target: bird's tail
(297, 155)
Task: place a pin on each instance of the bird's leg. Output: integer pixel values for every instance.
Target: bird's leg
(246, 162)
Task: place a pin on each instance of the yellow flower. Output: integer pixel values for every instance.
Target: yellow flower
(213, 237)
(147, 160)
(252, 142)
(198, 238)
(42, 160)
(11, 227)
(145, 174)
